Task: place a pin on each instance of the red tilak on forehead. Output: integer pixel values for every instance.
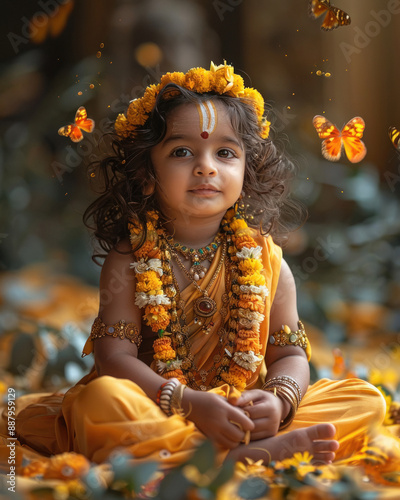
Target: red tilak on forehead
(208, 118)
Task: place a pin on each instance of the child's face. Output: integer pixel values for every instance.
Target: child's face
(200, 163)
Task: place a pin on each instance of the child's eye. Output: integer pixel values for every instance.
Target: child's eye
(226, 153)
(181, 152)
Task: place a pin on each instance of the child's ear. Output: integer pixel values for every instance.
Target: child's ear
(149, 188)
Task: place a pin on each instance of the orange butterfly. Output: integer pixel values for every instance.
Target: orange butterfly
(73, 131)
(394, 135)
(51, 24)
(334, 17)
(335, 140)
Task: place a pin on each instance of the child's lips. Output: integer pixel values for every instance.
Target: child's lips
(205, 190)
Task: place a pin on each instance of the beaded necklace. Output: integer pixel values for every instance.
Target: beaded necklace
(157, 293)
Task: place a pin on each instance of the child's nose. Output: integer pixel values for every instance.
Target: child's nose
(205, 167)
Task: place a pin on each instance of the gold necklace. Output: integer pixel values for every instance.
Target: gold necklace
(182, 339)
(196, 256)
(204, 306)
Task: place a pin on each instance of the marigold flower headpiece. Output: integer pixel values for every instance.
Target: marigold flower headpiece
(219, 79)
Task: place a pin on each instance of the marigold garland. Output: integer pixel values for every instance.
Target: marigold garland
(220, 79)
(157, 295)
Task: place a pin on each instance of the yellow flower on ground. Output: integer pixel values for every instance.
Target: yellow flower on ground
(302, 463)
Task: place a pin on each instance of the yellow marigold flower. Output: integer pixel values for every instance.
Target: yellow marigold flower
(149, 99)
(120, 124)
(67, 466)
(255, 99)
(148, 282)
(250, 266)
(237, 381)
(265, 129)
(256, 279)
(223, 78)
(198, 80)
(176, 77)
(238, 224)
(238, 86)
(136, 113)
(165, 355)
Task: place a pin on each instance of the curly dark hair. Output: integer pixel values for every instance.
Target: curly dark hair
(125, 174)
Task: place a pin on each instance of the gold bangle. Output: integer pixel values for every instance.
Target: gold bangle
(285, 336)
(121, 329)
(288, 389)
(286, 381)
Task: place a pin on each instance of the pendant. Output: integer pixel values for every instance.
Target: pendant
(204, 306)
(198, 271)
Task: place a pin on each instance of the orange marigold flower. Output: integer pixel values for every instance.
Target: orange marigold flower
(162, 343)
(237, 381)
(136, 114)
(149, 98)
(240, 371)
(245, 241)
(176, 77)
(175, 374)
(35, 468)
(122, 126)
(245, 334)
(157, 317)
(67, 466)
(246, 345)
(145, 249)
(165, 355)
(253, 306)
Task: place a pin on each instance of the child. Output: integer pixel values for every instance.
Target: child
(189, 343)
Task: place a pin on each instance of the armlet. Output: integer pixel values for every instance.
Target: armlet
(285, 336)
(121, 329)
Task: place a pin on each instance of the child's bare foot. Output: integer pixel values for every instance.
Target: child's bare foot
(317, 440)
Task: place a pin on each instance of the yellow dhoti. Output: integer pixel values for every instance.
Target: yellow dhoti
(101, 414)
(109, 414)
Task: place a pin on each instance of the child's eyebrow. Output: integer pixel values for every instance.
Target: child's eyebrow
(225, 138)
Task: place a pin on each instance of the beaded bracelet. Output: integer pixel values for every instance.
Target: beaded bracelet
(165, 396)
(288, 389)
(285, 336)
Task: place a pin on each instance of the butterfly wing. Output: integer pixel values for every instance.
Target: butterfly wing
(82, 121)
(71, 131)
(334, 17)
(351, 137)
(331, 146)
(394, 135)
(318, 7)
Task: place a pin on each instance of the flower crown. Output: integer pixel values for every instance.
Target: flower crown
(220, 79)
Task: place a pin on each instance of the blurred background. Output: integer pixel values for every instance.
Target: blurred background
(57, 55)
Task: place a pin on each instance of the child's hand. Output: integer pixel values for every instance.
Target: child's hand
(264, 409)
(217, 419)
